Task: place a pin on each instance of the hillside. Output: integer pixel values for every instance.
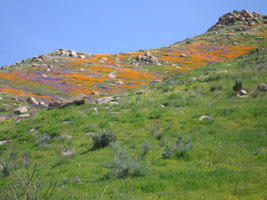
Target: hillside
(210, 90)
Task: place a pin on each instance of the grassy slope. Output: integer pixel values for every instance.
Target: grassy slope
(228, 152)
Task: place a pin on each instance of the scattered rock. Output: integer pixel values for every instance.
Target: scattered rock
(242, 93)
(18, 121)
(119, 82)
(32, 130)
(95, 93)
(66, 136)
(32, 101)
(262, 87)
(90, 133)
(259, 38)
(114, 103)
(2, 119)
(23, 116)
(20, 110)
(204, 117)
(104, 100)
(67, 153)
(112, 75)
(3, 142)
(222, 72)
(140, 92)
(183, 55)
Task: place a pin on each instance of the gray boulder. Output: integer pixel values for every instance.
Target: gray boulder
(262, 87)
(32, 101)
(20, 110)
(204, 117)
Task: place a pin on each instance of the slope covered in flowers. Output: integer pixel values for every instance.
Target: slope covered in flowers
(107, 74)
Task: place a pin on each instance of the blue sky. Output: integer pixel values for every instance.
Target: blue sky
(31, 27)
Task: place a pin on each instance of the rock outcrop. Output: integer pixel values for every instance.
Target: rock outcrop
(65, 103)
(147, 58)
(243, 17)
(69, 53)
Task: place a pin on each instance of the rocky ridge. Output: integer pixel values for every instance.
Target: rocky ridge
(242, 17)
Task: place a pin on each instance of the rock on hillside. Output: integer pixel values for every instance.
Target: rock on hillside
(242, 17)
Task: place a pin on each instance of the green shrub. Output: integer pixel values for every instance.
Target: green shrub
(179, 150)
(123, 165)
(237, 86)
(103, 138)
(167, 153)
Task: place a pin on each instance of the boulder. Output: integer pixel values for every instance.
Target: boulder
(95, 93)
(112, 75)
(183, 55)
(242, 93)
(262, 87)
(33, 101)
(43, 104)
(104, 100)
(140, 92)
(1, 98)
(73, 54)
(146, 58)
(82, 56)
(65, 103)
(204, 117)
(20, 110)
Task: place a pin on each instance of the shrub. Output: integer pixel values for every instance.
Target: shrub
(182, 146)
(168, 153)
(237, 86)
(123, 165)
(179, 150)
(103, 138)
(156, 132)
(26, 185)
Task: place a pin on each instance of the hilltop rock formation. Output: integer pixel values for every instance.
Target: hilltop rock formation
(242, 17)
(69, 53)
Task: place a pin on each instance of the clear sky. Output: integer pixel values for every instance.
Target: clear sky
(32, 27)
